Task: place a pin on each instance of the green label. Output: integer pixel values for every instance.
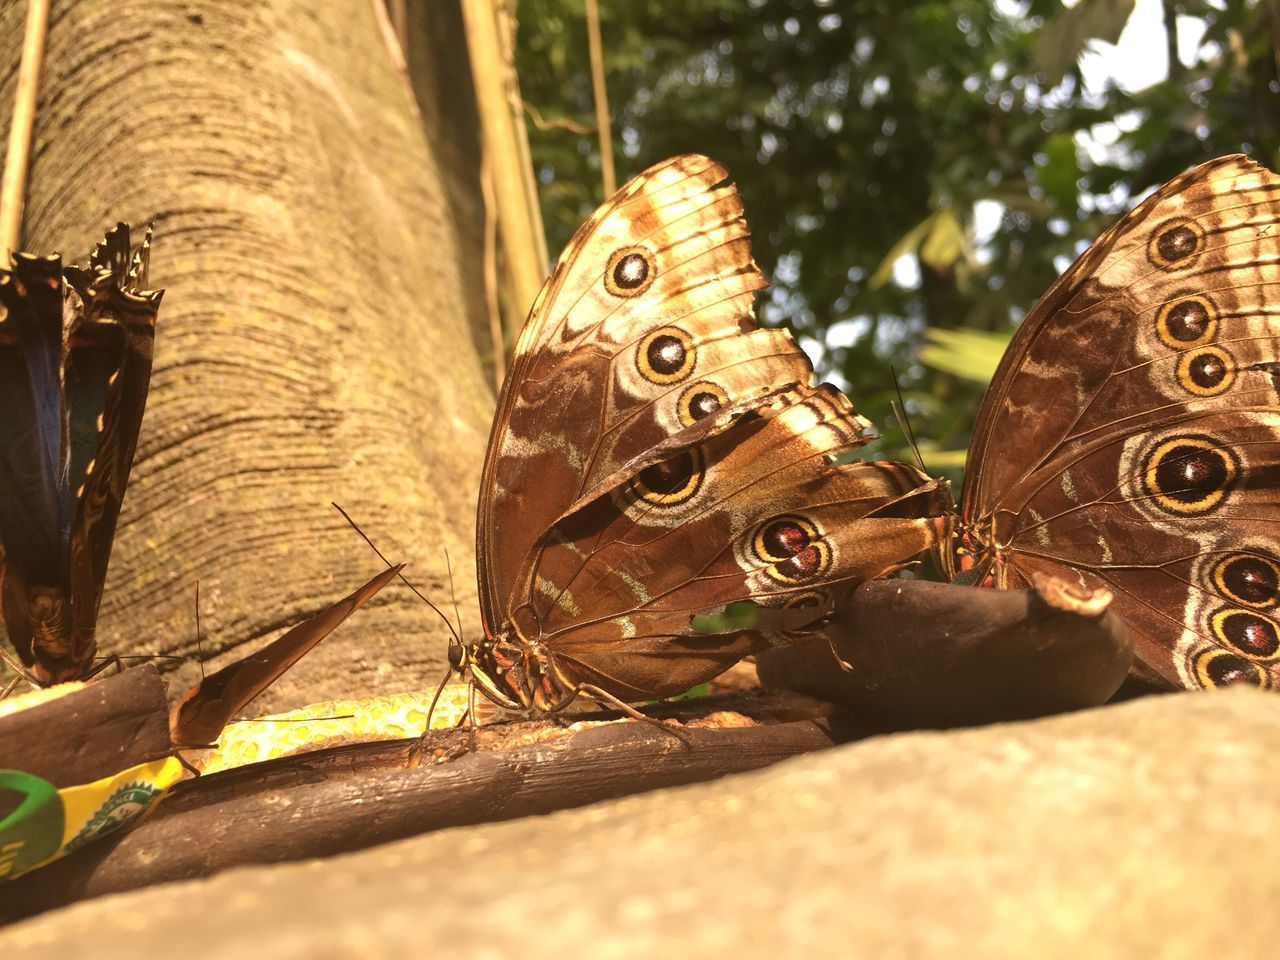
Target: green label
(32, 833)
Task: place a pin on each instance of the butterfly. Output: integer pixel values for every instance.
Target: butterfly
(1131, 436)
(199, 715)
(75, 364)
(663, 491)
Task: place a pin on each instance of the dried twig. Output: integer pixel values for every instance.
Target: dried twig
(524, 247)
(934, 654)
(556, 123)
(13, 186)
(601, 97)
(352, 797)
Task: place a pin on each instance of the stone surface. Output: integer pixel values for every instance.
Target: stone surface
(1140, 830)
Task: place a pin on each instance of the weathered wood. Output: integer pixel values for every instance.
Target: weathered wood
(351, 797)
(933, 654)
(116, 722)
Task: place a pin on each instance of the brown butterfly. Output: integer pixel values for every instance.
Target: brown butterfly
(656, 457)
(1131, 436)
(75, 363)
(198, 717)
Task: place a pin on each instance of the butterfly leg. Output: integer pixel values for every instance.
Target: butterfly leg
(22, 674)
(187, 765)
(11, 686)
(602, 696)
(470, 718)
(110, 661)
(845, 665)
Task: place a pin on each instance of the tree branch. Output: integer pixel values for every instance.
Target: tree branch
(351, 797)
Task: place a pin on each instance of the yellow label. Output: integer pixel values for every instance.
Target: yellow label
(49, 823)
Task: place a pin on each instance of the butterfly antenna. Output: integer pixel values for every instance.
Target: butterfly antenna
(453, 594)
(199, 645)
(336, 716)
(418, 593)
(899, 408)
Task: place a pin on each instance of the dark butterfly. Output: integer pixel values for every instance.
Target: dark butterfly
(656, 457)
(1131, 436)
(75, 363)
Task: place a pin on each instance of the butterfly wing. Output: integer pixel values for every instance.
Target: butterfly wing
(198, 717)
(759, 516)
(643, 329)
(1140, 396)
(110, 345)
(34, 520)
(76, 359)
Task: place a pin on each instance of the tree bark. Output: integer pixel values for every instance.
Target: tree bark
(314, 341)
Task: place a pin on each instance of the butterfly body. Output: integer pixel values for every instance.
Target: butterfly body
(75, 362)
(657, 458)
(1131, 436)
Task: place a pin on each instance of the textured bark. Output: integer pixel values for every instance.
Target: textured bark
(313, 343)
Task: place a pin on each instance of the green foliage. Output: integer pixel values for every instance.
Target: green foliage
(968, 354)
(867, 135)
(744, 615)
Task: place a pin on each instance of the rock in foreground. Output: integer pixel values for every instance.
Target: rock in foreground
(1143, 829)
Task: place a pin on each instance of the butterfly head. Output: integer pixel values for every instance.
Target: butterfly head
(978, 554)
(459, 656)
(515, 672)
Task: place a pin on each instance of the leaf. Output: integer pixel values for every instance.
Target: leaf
(970, 354)
(938, 240)
(1060, 174)
(945, 243)
(1064, 38)
(942, 459)
(908, 243)
(743, 615)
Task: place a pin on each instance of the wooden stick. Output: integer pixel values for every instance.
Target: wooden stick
(524, 247)
(353, 797)
(13, 186)
(507, 29)
(111, 724)
(935, 654)
(496, 337)
(604, 130)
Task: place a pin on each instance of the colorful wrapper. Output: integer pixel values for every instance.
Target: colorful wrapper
(49, 823)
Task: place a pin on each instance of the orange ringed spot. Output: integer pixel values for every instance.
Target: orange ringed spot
(1189, 475)
(1220, 668)
(1207, 372)
(630, 272)
(666, 355)
(1175, 244)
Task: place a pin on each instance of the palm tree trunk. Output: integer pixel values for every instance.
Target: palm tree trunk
(315, 342)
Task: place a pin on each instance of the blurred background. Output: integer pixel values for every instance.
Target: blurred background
(917, 173)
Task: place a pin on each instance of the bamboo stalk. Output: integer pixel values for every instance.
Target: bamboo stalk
(604, 130)
(506, 144)
(13, 186)
(491, 271)
(515, 103)
(399, 15)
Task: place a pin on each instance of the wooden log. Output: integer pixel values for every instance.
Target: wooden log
(933, 654)
(351, 797)
(113, 723)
